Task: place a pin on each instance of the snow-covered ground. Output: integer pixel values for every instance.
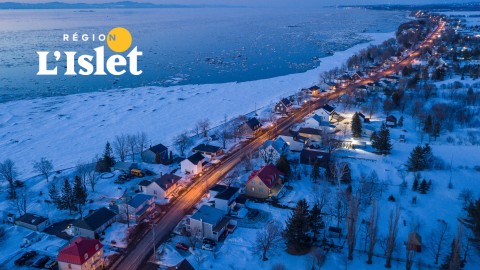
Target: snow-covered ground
(440, 203)
(73, 128)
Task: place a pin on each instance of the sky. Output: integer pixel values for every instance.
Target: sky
(260, 2)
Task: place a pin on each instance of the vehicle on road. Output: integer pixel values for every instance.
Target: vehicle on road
(209, 241)
(181, 246)
(25, 258)
(51, 264)
(40, 262)
(208, 247)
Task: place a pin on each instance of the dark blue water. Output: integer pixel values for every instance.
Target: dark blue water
(181, 46)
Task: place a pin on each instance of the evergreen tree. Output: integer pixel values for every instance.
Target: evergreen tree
(315, 175)
(54, 195)
(356, 126)
(428, 126)
(158, 158)
(381, 141)
(67, 199)
(347, 175)
(315, 220)
(452, 260)
(400, 121)
(79, 193)
(296, 232)
(423, 187)
(171, 157)
(427, 156)
(416, 162)
(415, 184)
(107, 155)
(436, 130)
(473, 211)
(283, 165)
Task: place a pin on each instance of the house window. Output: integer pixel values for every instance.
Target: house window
(261, 189)
(253, 188)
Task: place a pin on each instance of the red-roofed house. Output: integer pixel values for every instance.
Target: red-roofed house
(82, 253)
(265, 183)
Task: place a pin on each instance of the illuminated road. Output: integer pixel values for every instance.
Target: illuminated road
(137, 257)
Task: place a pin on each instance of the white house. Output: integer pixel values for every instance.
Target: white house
(208, 222)
(224, 197)
(274, 149)
(325, 113)
(294, 145)
(163, 187)
(33, 222)
(193, 164)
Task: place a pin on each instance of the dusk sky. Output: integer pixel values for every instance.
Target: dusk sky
(259, 2)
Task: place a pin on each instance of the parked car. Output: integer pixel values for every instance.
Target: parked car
(148, 172)
(182, 246)
(209, 241)
(208, 247)
(40, 262)
(25, 257)
(52, 264)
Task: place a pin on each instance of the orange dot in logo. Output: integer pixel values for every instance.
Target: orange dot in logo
(119, 39)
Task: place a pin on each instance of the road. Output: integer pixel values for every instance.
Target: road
(138, 256)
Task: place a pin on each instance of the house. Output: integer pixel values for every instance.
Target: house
(343, 80)
(368, 131)
(331, 86)
(363, 118)
(163, 187)
(224, 197)
(142, 185)
(414, 242)
(310, 156)
(31, 238)
(183, 265)
(265, 183)
(193, 164)
(208, 222)
(316, 122)
(137, 208)
(274, 149)
(250, 127)
(326, 113)
(290, 138)
(125, 167)
(82, 253)
(33, 222)
(391, 121)
(314, 90)
(156, 154)
(283, 106)
(208, 150)
(94, 223)
(312, 134)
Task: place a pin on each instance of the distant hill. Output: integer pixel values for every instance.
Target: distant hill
(472, 6)
(116, 5)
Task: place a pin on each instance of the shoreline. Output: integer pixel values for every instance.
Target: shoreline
(72, 128)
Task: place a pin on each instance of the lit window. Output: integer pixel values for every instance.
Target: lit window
(253, 188)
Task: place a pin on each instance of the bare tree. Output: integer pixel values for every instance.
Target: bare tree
(91, 174)
(225, 133)
(43, 167)
(120, 146)
(247, 161)
(21, 202)
(82, 171)
(370, 188)
(337, 171)
(194, 237)
(204, 125)
(8, 172)
(132, 145)
(268, 238)
(455, 262)
(352, 218)
(410, 253)
(437, 238)
(267, 155)
(372, 230)
(182, 142)
(392, 236)
(141, 141)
